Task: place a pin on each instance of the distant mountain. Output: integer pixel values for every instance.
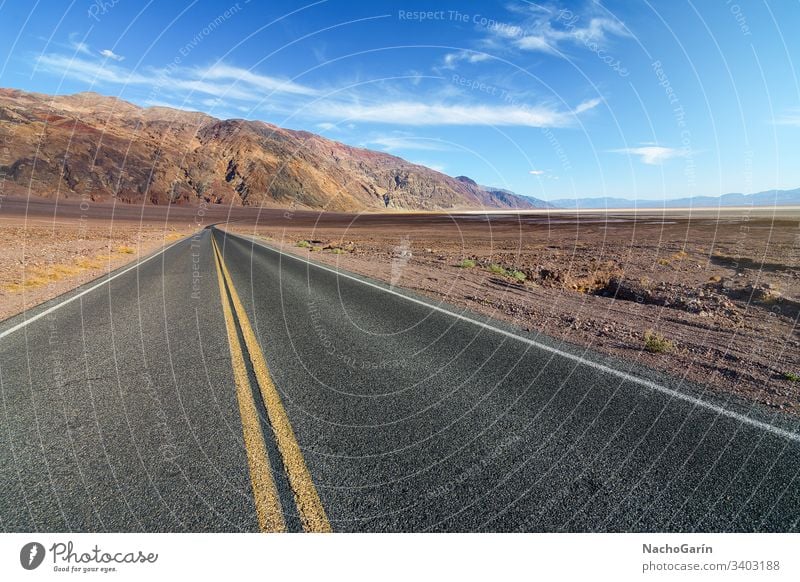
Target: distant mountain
(507, 196)
(102, 148)
(767, 198)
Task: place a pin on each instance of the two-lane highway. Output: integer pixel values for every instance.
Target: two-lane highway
(225, 386)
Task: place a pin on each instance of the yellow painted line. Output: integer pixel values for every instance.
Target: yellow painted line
(265, 494)
(309, 505)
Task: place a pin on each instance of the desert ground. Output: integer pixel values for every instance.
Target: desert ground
(53, 248)
(711, 296)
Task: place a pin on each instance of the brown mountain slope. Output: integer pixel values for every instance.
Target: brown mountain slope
(103, 148)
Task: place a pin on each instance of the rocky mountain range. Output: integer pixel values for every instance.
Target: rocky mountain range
(88, 145)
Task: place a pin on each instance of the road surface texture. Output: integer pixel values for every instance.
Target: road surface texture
(224, 386)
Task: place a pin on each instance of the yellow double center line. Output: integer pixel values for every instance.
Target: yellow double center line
(268, 506)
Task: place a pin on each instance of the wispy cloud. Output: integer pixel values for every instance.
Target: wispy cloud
(394, 143)
(433, 166)
(229, 73)
(451, 59)
(219, 80)
(210, 85)
(89, 71)
(790, 118)
(543, 174)
(587, 105)
(535, 43)
(552, 30)
(77, 45)
(653, 155)
(109, 54)
(415, 113)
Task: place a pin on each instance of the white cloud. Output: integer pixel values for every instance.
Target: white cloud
(543, 174)
(222, 81)
(89, 71)
(393, 143)
(433, 166)
(653, 155)
(109, 54)
(535, 43)
(546, 30)
(451, 59)
(226, 85)
(225, 72)
(587, 105)
(414, 113)
(77, 45)
(791, 118)
(507, 30)
(415, 76)
(597, 30)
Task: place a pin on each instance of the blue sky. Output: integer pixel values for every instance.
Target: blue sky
(554, 100)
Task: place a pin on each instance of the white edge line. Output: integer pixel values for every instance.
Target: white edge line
(777, 431)
(50, 310)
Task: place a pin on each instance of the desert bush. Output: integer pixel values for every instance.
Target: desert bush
(467, 264)
(303, 244)
(497, 269)
(657, 344)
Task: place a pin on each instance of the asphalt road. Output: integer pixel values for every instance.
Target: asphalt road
(127, 409)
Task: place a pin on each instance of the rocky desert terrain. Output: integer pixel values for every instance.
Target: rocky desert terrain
(712, 298)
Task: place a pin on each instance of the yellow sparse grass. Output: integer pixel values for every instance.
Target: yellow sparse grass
(173, 236)
(680, 255)
(86, 263)
(36, 277)
(126, 250)
(61, 270)
(41, 276)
